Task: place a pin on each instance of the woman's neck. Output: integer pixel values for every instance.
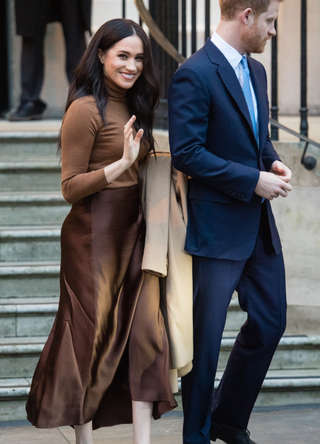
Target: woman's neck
(115, 90)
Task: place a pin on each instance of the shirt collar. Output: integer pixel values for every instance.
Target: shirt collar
(231, 54)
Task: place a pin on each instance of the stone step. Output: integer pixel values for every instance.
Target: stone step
(28, 144)
(25, 208)
(13, 397)
(29, 280)
(290, 391)
(235, 317)
(29, 243)
(27, 317)
(302, 320)
(19, 175)
(31, 316)
(285, 388)
(19, 355)
(293, 352)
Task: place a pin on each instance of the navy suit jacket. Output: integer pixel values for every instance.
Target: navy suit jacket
(212, 141)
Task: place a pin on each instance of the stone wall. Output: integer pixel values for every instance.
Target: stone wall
(298, 220)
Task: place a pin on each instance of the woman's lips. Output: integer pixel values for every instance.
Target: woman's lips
(127, 76)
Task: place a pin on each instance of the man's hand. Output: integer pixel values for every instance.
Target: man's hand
(271, 186)
(281, 170)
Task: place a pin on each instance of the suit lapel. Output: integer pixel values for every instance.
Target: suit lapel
(230, 80)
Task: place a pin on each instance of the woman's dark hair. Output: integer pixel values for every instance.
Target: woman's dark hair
(89, 79)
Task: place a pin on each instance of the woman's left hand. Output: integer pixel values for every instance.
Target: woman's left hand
(131, 145)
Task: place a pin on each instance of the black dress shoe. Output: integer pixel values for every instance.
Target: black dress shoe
(28, 111)
(229, 435)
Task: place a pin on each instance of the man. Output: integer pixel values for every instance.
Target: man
(32, 17)
(218, 126)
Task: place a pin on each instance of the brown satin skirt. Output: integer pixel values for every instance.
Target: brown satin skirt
(108, 344)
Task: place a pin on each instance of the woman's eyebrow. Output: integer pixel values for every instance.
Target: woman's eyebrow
(126, 52)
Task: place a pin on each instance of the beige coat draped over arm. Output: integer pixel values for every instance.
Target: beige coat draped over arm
(164, 202)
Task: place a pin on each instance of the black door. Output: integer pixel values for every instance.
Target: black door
(4, 79)
(165, 14)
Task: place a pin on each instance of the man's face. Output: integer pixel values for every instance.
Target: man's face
(260, 29)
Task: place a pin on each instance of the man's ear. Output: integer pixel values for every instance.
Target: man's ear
(247, 16)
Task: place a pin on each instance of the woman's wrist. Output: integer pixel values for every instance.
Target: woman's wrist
(114, 170)
(125, 163)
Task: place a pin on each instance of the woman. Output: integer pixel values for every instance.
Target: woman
(106, 359)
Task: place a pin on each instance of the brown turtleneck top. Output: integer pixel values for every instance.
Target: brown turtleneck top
(88, 145)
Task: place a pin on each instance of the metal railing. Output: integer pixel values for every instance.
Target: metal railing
(170, 48)
(309, 162)
(156, 33)
(304, 126)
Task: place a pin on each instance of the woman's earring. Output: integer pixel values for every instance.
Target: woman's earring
(102, 62)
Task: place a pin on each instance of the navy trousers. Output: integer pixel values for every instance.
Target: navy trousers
(260, 283)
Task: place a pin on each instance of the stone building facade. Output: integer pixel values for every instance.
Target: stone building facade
(55, 86)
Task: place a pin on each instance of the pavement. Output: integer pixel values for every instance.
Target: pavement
(297, 425)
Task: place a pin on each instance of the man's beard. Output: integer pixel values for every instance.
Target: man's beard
(252, 40)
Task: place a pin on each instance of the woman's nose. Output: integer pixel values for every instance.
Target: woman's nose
(131, 65)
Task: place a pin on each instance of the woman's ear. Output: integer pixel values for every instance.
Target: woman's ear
(100, 55)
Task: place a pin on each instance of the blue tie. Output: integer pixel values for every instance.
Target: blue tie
(247, 93)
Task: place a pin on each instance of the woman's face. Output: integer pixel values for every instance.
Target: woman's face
(123, 62)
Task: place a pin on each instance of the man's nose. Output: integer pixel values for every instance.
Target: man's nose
(273, 31)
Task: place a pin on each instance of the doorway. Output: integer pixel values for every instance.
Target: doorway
(4, 66)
